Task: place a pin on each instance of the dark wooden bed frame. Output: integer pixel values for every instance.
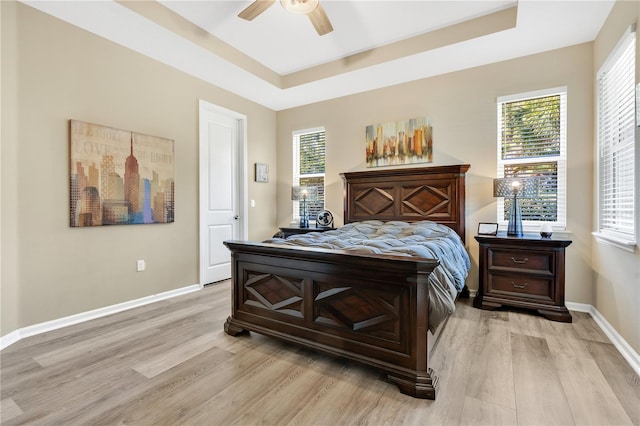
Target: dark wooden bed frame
(372, 309)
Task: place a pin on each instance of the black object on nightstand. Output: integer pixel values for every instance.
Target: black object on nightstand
(288, 231)
(526, 272)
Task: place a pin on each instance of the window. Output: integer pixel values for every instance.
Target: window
(308, 168)
(616, 139)
(532, 142)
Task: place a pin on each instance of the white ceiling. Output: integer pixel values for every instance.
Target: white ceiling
(287, 43)
(287, 46)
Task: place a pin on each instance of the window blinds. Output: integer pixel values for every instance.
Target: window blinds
(312, 153)
(545, 206)
(532, 143)
(616, 128)
(309, 167)
(531, 128)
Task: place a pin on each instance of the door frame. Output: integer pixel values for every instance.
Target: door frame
(242, 179)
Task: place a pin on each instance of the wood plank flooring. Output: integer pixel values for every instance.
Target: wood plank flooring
(170, 363)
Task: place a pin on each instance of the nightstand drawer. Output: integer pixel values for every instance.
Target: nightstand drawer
(537, 261)
(518, 285)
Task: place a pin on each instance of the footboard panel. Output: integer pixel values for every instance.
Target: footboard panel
(371, 309)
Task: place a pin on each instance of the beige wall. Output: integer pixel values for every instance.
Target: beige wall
(52, 72)
(616, 273)
(463, 106)
(9, 318)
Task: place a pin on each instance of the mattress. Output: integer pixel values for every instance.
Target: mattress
(423, 239)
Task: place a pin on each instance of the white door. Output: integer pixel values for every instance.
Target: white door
(220, 189)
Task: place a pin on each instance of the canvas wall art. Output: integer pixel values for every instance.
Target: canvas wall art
(119, 177)
(401, 142)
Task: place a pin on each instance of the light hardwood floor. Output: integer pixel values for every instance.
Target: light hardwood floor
(171, 363)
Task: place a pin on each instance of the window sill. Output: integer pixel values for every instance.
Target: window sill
(609, 240)
(527, 229)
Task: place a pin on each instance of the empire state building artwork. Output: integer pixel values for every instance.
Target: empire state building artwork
(118, 177)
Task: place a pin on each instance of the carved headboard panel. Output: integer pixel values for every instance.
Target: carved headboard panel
(411, 194)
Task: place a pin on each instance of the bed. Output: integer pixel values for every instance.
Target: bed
(367, 306)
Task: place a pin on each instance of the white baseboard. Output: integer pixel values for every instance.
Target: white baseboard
(618, 341)
(9, 339)
(580, 307)
(35, 329)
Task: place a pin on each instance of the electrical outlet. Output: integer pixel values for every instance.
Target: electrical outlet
(141, 265)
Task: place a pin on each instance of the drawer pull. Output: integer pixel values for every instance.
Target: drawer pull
(519, 285)
(525, 260)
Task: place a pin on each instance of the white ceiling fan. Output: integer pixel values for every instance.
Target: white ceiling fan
(311, 8)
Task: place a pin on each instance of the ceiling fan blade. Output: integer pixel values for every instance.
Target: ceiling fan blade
(255, 9)
(320, 20)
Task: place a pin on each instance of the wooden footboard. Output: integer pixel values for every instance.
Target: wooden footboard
(372, 309)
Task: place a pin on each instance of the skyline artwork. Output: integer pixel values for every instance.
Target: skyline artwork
(398, 143)
(119, 177)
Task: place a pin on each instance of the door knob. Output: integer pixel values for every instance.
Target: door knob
(236, 217)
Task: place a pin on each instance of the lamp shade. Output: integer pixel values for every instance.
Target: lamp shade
(522, 187)
(307, 193)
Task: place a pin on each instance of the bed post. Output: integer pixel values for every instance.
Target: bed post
(421, 382)
(230, 328)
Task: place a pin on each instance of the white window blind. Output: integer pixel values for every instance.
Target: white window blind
(309, 167)
(616, 142)
(532, 142)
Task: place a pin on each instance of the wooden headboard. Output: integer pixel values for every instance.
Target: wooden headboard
(408, 194)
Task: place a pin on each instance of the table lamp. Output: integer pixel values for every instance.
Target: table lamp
(517, 188)
(304, 194)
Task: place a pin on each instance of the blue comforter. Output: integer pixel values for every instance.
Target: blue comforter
(424, 239)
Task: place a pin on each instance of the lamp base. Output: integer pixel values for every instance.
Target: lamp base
(304, 217)
(515, 230)
(515, 220)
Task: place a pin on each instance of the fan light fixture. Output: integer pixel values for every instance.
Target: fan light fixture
(312, 8)
(300, 7)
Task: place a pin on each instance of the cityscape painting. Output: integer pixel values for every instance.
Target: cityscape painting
(401, 142)
(118, 177)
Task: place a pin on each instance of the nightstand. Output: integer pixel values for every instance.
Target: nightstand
(288, 231)
(526, 272)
